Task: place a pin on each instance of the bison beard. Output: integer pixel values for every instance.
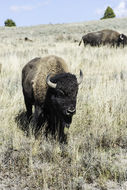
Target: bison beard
(59, 106)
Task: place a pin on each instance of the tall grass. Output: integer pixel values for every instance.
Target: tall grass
(95, 156)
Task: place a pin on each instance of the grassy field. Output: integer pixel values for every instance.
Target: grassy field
(95, 157)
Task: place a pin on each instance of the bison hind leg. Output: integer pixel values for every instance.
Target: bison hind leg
(29, 109)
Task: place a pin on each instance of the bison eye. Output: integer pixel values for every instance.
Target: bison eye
(60, 93)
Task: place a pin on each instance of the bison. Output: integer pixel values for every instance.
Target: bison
(104, 37)
(48, 85)
(27, 39)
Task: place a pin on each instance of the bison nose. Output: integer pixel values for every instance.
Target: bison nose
(70, 111)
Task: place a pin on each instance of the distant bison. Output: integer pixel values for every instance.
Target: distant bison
(52, 90)
(104, 37)
(27, 39)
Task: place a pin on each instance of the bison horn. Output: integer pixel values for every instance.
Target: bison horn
(51, 84)
(121, 36)
(81, 77)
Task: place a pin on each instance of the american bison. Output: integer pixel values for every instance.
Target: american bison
(27, 39)
(52, 90)
(104, 37)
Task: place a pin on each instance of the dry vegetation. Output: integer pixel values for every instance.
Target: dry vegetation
(95, 157)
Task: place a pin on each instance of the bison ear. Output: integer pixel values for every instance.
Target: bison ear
(80, 79)
(49, 83)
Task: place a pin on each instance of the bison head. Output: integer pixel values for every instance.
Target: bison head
(122, 39)
(62, 95)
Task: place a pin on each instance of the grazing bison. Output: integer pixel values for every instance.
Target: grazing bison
(104, 37)
(27, 39)
(52, 90)
(93, 38)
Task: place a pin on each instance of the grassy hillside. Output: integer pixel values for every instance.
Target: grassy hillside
(96, 154)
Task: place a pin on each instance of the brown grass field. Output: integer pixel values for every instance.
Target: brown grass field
(95, 157)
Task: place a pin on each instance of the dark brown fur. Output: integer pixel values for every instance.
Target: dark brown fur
(110, 37)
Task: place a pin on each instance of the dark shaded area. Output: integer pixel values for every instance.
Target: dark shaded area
(27, 126)
(22, 122)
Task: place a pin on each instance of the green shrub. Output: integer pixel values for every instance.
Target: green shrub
(109, 13)
(9, 23)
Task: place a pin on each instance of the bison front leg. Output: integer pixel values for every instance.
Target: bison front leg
(62, 135)
(38, 118)
(52, 124)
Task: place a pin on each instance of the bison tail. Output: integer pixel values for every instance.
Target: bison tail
(80, 42)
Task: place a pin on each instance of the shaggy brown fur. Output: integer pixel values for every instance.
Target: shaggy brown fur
(54, 65)
(109, 37)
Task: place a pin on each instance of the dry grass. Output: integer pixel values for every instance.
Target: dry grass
(96, 156)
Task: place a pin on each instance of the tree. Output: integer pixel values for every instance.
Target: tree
(109, 13)
(9, 23)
